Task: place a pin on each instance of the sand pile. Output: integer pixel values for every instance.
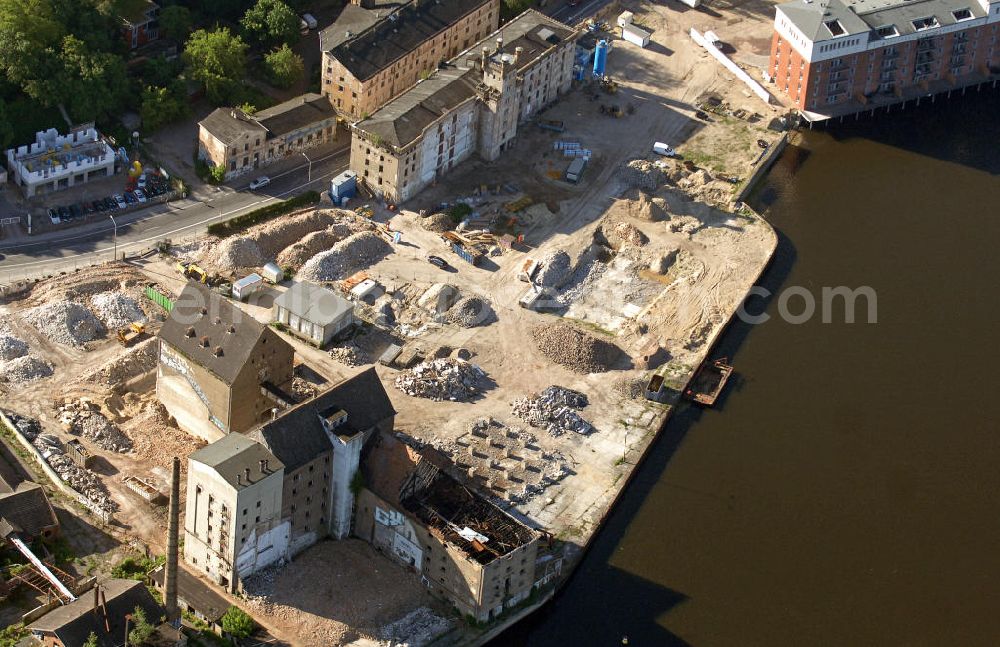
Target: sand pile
(645, 207)
(350, 255)
(574, 349)
(437, 222)
(622, 233)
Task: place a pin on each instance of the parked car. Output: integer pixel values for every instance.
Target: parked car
(260, 182)
(54, 217)
(129, 198)
(110, 203)
(142, 181)
(139, 195)
(64, 213)
(438, 261)
(120, 201)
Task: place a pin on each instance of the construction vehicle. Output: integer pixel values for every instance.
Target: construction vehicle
(608, 85)
(135, 331)
(192, 271)
(365, 211)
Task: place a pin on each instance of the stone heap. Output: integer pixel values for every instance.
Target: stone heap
(83, 419)
(443, 379)
(554, 410)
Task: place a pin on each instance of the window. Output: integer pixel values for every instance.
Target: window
(835, 27)
(257, 520)
(925, 23)
(962, 14)
(889, 31)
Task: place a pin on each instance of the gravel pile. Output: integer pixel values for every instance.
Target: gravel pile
(437, 222)
(629, 387)
(264, 242)
(417, 628)
(83, 420)
(555, 268)
(24, 369)
(350, 255)
(554, 410)
(137, 360)
(11, 347)
(82, 480)
(116, 309)
(472, 311)
(641, 174)
(574, 349)
(443, 379)
(65, 322)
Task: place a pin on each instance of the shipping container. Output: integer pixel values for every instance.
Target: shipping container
(247, 286)
(343, 186)
(635, 35)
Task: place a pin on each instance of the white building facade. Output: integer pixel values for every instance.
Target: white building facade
(55, 162)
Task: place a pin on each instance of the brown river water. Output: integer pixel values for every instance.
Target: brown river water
(847, 490)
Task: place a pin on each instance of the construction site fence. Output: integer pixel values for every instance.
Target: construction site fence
(62, 485)
(159, 298)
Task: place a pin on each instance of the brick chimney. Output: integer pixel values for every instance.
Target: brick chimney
(173, 543)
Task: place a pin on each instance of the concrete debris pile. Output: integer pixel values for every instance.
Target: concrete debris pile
(116, 309)
(554, 410)
(259, 588)
(417, 628)
(26, 368)
(587, 273)
(695, 180)
(65, 322)
(155, 439)
(303, 389)
(472, 311)
(262, 243)
(443, 379)
(437, 223)
(27, 427)
(629, 387)
(82, 418)
(301, 251)
(556, 268)
(349, 355)
(684, 225)
(623, 233)
(574, 349)
(135, 361)
(642, 174)
(354, 253)
(507, 460)
(438, 298)
(11, 347)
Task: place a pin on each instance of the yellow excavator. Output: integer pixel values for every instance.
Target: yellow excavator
(128, 336)
(192, 271)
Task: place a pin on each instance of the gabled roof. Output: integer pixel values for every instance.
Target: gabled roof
(363, 398)
(401, 32)
(314, 303)
(295, 114)
(233, 454)
(27, 509)
(73, 623)
(230, 124)
(201, 314)
(352, 21)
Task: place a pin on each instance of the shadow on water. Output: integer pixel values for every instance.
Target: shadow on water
(602, 603)
(929, 129)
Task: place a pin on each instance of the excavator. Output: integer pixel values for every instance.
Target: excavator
(131, 334)
(192, 271)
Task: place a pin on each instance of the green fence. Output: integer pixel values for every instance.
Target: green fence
(159, 298)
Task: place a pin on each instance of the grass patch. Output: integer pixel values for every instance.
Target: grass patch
(136, 567)
(257, 216)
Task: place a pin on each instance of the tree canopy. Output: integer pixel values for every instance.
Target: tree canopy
(271, 22)
(284, 67)
(142, 628)
(176, 21)
(237, 623)
(217, 60)
(163, 105)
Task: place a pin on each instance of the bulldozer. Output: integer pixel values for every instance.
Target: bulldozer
(135, 331)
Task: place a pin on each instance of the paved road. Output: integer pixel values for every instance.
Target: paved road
(96, 241)
(572, 14)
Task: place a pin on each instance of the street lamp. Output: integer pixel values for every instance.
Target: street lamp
(116, 234)
(310, 178)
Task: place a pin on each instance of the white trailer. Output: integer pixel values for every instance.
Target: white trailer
(635, 35)
(247, 286)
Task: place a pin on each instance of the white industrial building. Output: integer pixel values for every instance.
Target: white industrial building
(313, 312)
(55, 162)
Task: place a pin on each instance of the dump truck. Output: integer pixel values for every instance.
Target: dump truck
(135, 331)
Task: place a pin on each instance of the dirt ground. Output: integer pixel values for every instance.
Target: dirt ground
(335, 593)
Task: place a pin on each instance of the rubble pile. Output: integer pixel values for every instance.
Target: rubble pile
(156, 440)
(641, 174)
(437, 222)
(587, 273)
(350, 255)
(417, 628)
(262, 243)
(135, 361)
(622, 233)
(301, 251)
(645, 207)
(574, 349)
(116, 309)
(349, 355)
(554, 410)
(443, 379)
(438, 298)
(27, 427)
(662, 263)
(26, 368)
(65, 322)
(11, 347)
(472, 311)
(556, 268)
(629, 387)
(82, 418)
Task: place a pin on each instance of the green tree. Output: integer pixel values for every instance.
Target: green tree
(284, 67)
(142, 629)
(160, 71)
(217, 60)
(270, 22)
(30, 32)
(90, 84)
(6, 127)
(175, 22)
(237, 623)
(161, 106)
(91, 640)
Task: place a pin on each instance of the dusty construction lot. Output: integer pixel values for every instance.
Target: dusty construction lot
(648, 260)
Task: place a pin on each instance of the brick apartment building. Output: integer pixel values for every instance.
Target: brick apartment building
(473, 104)
(375, 49)
(837, 57)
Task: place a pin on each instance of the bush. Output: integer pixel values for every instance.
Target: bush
(136, 567)
(237, 623)
(217, 174)
(239, 223)
(459, 212)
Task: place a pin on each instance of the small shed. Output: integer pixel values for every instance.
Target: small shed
(273, 273)
(625, 18)
(313, 312)
(635, 35)
(247, 286)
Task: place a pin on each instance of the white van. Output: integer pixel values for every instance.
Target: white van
(662, 149)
